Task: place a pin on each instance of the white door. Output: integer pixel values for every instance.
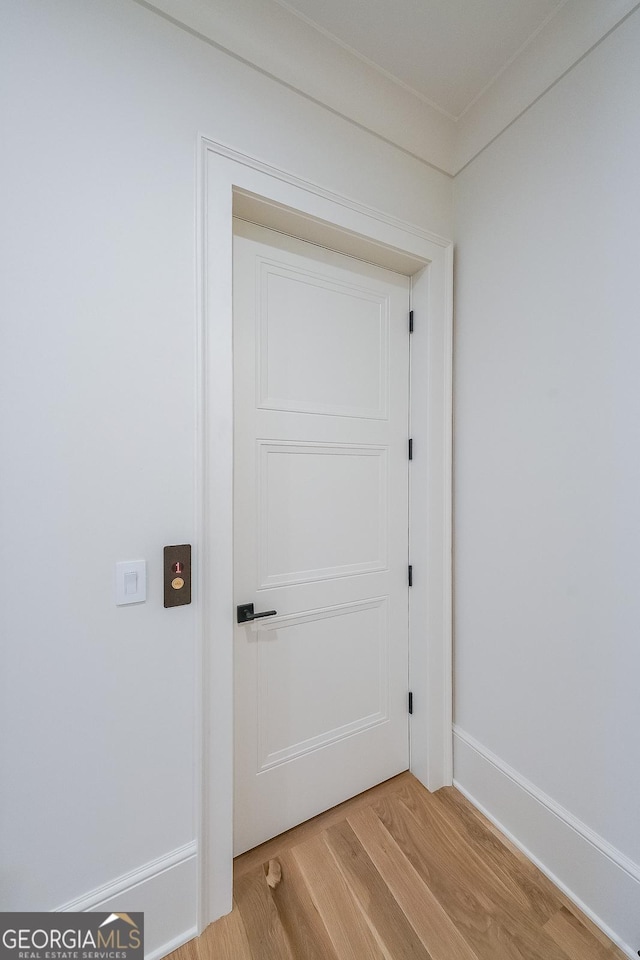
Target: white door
(321, 391)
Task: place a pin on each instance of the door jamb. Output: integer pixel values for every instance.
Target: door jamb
(222, 171)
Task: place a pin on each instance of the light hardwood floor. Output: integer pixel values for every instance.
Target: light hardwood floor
(396, 874)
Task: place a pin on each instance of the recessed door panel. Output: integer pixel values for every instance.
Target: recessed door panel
(309, 329)
(323, 511)
(330, 668)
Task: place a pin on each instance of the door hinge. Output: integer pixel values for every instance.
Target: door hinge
(410, 574)
(410, 321)
(410, 448)
(410, 702)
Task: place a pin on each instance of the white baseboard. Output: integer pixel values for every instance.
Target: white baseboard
(165, 890)
(598, 878)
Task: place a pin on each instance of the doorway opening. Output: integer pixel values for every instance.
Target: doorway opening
(231, 183)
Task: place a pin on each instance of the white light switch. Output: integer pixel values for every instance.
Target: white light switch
(131, 582)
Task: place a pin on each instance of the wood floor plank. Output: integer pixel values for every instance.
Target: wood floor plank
(528, 885)
(467, 809)
(471, 913)
(376, 900)
(425, 914)
(341, 914)
(285, 841)
(595, 931)
(576, 940)
(301, 921)
(520, 879)
(476, 861)
(265, 933)
(225, 940)
(488, 917)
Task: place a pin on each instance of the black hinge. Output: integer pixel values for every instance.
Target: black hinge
(410, 321)
(410, 702)
(410, 571)
(410, 448)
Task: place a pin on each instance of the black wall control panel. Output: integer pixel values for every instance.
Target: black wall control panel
(177, 575)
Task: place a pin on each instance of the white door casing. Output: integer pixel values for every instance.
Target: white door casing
(321, 405)
(310, 211)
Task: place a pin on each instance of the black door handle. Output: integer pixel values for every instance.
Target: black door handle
(246, 614)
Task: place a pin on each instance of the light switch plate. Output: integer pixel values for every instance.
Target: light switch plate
(131, 582)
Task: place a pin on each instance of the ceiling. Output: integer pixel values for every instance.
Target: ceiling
(445, 51)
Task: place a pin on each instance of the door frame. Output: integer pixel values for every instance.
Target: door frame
(277, 198)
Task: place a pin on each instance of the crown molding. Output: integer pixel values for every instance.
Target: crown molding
(288, 48)
(267, 36)
(577, 27)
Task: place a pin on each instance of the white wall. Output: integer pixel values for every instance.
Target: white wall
(548, 476)
(103, 108)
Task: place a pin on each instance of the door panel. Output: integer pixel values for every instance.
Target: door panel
(296, 666)
(301, 538)
(303, 314)
(321, 525)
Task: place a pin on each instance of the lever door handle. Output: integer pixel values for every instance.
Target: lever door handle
(246, 614)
